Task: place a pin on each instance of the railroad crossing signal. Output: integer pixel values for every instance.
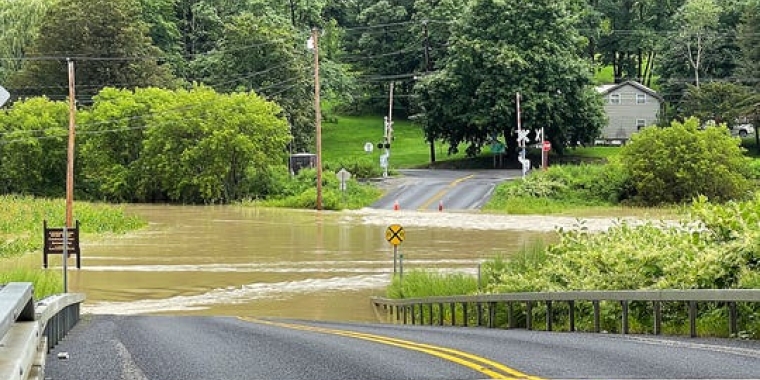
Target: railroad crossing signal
(395, 234)
(522, 137)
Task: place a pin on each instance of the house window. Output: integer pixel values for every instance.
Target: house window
(641, 98)
(615, 99)
(640, 123)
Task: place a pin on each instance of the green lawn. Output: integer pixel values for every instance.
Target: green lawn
(345, 139)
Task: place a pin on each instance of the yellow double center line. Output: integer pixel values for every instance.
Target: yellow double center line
(439, 195)
(485, 366)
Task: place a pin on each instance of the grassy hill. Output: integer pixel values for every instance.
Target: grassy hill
(345, 138)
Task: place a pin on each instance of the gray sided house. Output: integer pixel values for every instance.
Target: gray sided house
(630, 106)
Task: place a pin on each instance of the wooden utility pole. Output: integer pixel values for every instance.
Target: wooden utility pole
(318, 115)
(427, 71)
(70, 159)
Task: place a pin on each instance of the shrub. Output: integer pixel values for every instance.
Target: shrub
(361, 168)
(300, 191)
(676, 164)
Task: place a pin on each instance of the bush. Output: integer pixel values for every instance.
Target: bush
(300, 191)
(585, 184)
(361, 168)
(674, 165)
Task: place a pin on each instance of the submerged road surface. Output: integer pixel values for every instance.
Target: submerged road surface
(183, 348)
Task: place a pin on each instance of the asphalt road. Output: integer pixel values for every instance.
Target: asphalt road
(168, 348)
(452, 189)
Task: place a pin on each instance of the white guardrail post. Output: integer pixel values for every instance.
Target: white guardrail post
(28, 331)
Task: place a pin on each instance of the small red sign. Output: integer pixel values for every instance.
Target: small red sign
(547, 146)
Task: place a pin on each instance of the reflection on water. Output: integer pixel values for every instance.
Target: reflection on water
(231, 260)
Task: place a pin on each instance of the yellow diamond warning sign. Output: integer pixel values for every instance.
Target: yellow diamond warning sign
(395, 234)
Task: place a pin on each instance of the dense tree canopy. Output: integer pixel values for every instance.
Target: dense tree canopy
(32, 153)
(107, 41)
(472, 99)
(19, 22)
(749, 43)
(191, 146)
(257, 54)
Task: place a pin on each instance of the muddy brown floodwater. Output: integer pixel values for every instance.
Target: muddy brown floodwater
(233, 260)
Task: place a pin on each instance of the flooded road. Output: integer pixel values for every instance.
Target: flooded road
(233, 260)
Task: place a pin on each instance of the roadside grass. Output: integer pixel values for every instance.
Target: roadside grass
(576, 208)
(21, 224)
(45, 282)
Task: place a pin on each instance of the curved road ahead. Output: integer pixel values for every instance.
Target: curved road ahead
(454, 189)
(183, 348)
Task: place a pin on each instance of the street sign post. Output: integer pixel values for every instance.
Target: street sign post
(395, 234)
(545, 148)
(4, 96)
(343, 176)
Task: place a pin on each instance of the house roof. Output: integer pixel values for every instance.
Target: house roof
(608, 88)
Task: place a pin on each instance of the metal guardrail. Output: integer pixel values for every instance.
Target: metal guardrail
(413, 310)
(27, 334)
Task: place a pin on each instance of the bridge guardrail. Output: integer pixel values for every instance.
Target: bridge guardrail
(28, 330)
(411, 309)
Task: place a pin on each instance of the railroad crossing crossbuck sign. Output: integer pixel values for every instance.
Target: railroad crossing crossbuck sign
(395, 234)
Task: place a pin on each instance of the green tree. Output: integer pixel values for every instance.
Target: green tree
(164, 29)
(385, 49)
(258, 55)
(629, 34)
(471, 99)
(19, 20)
(33, 147)
(749, 43)
(699, 22)
(719, 101)
(204, 147)
(676, 164)
(111, 135)
(107, 40)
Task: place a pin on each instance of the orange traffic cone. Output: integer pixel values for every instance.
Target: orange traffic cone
(395, 205)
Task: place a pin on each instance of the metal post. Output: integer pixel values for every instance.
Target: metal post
(549, 316)
(625, 317)
(401, 265)
(70, 154)
(65, 259)
(657, 318)
(597, 318)
(492, 314)
(693, 319)
(395, 258)
(529, 315)
(571, 306)
(732, 316)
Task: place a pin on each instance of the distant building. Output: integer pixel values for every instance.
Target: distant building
(630, 106)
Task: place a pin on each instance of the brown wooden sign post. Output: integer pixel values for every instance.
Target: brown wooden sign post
(54, 240)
